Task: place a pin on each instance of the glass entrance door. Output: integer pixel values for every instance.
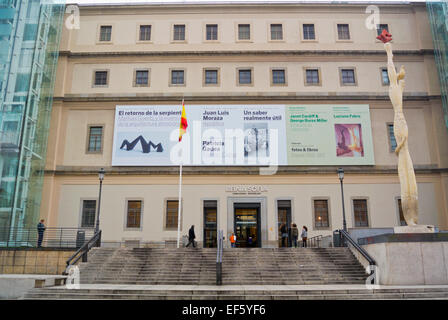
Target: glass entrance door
(247, 225)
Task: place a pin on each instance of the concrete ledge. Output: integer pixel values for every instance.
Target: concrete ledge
(405, 237)
(14, 286)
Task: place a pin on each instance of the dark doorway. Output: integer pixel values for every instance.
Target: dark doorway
(247, 225)
(284, 217)
(210, 223)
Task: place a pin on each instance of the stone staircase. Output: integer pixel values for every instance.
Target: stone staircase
(248, 273)
(245, 266)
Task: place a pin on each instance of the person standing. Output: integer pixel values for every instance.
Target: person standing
(284, 232)
(191, 237)
(295, 234)
(40, 232)
(304, 236)
(233, 240)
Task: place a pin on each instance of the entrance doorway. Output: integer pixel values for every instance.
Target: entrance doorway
(247, 224)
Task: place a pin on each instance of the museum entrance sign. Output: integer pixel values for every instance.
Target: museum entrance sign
(147, 135)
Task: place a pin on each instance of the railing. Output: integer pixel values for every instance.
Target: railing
(82, 252)
(55, 238)
(219, 243)
(345, 236)
(313, 242)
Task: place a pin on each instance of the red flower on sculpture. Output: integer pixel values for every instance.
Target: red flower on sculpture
(385, 36)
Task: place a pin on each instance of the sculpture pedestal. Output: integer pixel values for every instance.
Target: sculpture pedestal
(415, 229)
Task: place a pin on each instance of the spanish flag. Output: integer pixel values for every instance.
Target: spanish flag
(183, 122)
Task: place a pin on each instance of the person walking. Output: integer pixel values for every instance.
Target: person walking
(295, 234)
(40, 232)
(304, 236)
(233, 240)
(284, 232)
(191, 237)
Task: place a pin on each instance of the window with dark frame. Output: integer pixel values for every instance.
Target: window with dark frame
(88, 214)
(360, 213)
(145, 33)
(312, 76)
(95, 139)
(210, 223)
(392, 140)
(400, 212)
(244, 32)
(245, 76)
(309, 32)
(134, 213)
(321, 216)
(141, 77)
(211, 32)
(172, 207)
(105, 33)
(385, 77)
(343, 32)
(381, 27)
(211, 76)
(278, 76)
(276, 32)
(179, 32)
(348, 76)
(177, 77)
(100, 78)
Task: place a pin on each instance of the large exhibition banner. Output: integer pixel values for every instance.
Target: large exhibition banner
(243, 135)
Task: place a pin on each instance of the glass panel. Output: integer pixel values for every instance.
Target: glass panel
(245, 76)
(145, 33)
(385, 77)
(400, 211)
(100, 78)
(177, 77)
(172, 207)
(321, 214)
(308, 32)
(360, 209)
(106, 33)
(211, 76)
(284, 217)
(134, 214)
(243, 32)
(276, 32)
(212, 32)
(278, 76)
(88, 213)
(312, 76)
(381, 27)
(392, 141)
(95, 137)
(179, 32)
(343, 32)
(141, 77)
(210, 223)
(348, 76)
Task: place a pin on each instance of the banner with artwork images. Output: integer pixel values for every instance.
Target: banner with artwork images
(242, 135)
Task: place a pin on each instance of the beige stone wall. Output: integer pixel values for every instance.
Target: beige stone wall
(32, 261)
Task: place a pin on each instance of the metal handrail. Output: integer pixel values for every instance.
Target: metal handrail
(360, 249)
(220, 242)
(313, 242)
(52, 237)
(82, 252)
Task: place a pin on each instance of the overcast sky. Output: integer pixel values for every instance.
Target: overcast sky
(217, 1)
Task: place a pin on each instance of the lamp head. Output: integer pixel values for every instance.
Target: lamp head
(101, 174)
(341, 174)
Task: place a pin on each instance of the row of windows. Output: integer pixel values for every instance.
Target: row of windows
(244, 32)
(321, 213)
(95, 138)
(245, 77)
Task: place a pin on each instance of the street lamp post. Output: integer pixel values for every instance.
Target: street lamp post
(341, 178)
(101, 178)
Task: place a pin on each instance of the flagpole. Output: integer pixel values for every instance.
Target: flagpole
(180, 201)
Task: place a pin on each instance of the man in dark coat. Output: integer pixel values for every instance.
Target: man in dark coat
(40, 232)
(191, 237)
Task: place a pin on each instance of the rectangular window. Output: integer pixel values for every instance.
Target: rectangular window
(141, 77)
(134, 213)
(278, 76)
(95, 139)
(177, 77)
(348, 76)
(145, 33)
(321, 217)
(343, 32)
(400, 212)
(381, 27)
(244, 32)
(179, 32)
(172, 207)
(88, 213)
(392, 141)
(100, 78)
(312, 76)
(385, 77)
(105, 33)
(309, 32)
(210, 223)
(245, 76)
(211, 76)
(211, 32)
(360, 212)
(283, 217)
(276, 32)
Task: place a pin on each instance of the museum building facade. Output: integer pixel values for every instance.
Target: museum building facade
(307, 85)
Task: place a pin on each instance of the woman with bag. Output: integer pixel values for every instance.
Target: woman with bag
(304, 236)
